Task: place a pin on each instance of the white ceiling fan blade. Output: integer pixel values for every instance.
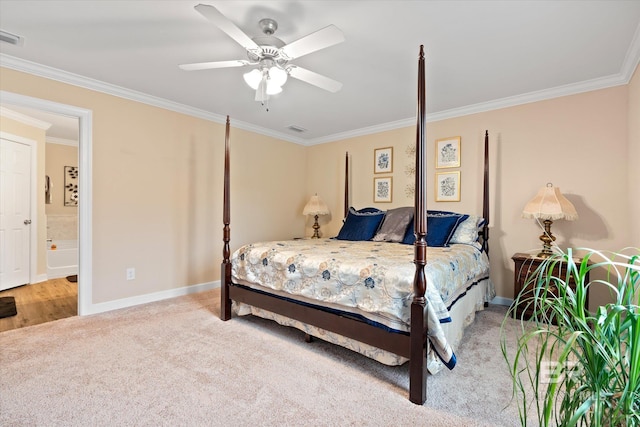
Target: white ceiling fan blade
(222, 22)
(328, 36)
(210, 65)
(315, 79)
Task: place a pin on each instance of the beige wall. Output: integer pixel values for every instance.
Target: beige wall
(579, 143)
(62, 220)
(157, 182)
(35, 134)
(157, 179)
(326, 174)
(634, 158)
(57, 156)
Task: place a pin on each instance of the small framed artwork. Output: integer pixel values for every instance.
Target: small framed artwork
(383, 158)
(448, 186)
(448, 152)
(382, 189)
(70, 186)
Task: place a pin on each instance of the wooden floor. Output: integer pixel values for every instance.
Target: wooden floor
(42, 302)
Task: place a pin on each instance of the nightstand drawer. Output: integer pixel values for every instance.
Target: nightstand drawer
(526, 267)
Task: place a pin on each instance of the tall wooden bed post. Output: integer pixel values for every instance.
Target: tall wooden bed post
(485, 197)
(346, 185)
(419, 343)
(225, 269)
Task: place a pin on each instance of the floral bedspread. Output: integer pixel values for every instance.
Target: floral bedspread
(372, 279)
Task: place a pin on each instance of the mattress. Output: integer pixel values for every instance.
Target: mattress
(372, 280)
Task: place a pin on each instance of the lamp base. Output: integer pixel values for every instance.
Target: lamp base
(547, 239)
(316, 228)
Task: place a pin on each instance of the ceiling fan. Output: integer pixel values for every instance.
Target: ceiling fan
(270, 55)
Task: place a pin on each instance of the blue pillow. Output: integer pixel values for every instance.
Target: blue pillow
(369, 210)
(409, 237)
(432, 212)
(440, 228)
(360, 225)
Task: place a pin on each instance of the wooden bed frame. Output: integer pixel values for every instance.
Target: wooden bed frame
(413, 346)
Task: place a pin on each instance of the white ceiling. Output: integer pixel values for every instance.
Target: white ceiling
(480, 55)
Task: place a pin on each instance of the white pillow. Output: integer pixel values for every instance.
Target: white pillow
(467, 231)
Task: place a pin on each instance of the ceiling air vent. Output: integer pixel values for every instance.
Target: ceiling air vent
(11, 38)
(296, 128)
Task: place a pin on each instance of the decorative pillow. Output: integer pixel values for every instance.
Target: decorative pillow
(467, 230)
(440, 228)
(394, 225)
(360, 225)
(369, 210)
(409, 237)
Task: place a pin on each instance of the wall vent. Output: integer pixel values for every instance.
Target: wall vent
(296, 128)
(11, 38)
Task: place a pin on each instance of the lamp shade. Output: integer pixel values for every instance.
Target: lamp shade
(253, 78)
(277, 76)
(274, 78)
(549, 203)
(315, 206)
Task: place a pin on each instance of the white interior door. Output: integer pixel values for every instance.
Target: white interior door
(15, 213)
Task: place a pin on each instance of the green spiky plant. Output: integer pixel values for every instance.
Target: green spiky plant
(571, 366)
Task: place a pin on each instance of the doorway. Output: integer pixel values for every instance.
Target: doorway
(84, 118)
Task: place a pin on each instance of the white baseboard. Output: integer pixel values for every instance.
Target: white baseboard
(147, 298)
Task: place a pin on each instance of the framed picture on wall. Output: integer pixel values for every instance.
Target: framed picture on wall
(448, 152)
(382, 190)
(70, 186)
(448, 186)
(383, 160)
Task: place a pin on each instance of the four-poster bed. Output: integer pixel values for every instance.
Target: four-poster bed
(413, 313)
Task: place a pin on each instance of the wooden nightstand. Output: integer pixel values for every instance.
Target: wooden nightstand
(525, 266)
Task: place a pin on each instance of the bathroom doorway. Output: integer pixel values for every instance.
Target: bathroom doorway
(80, 221)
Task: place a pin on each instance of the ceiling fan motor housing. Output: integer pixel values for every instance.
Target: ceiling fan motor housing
(268, 26)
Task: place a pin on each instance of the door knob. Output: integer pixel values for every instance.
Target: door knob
(27, 221)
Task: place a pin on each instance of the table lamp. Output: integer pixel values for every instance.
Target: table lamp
(549, 204)
(316, 207)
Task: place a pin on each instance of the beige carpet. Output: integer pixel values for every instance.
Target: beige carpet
(175, 363)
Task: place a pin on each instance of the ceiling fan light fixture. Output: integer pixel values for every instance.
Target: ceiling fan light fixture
(277, 76)
(273, 78)
(273, 89)
(253, 78)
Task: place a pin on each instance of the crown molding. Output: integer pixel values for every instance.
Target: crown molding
(61, 141)
(512, 101)
(24, 119)
(630, 64)
(45, 71)
(527, 98)
(398, 124)
(632, 58)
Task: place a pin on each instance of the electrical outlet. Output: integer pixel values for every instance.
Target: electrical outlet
(131, 273)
